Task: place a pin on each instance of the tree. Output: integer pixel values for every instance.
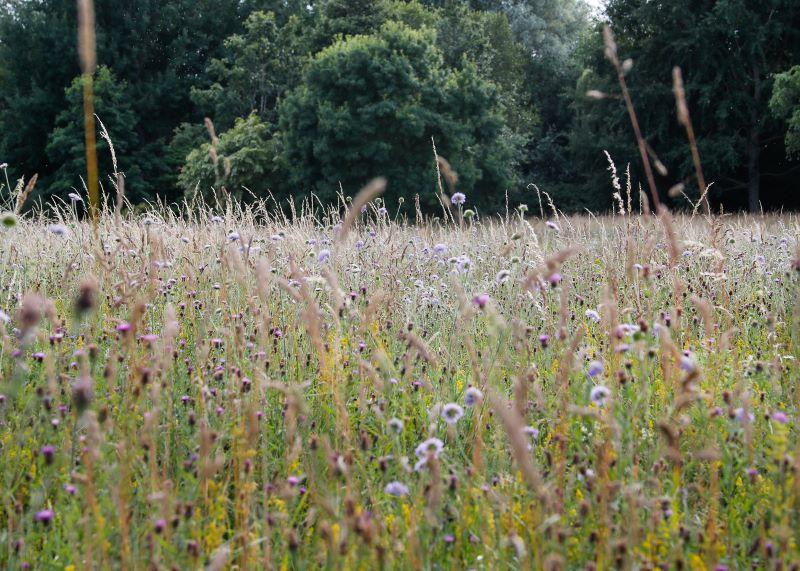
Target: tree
(728, 52)
(260, 64)
(65, 146)
(370, 105)
(785, 104)
(158, 49)
(244, 159)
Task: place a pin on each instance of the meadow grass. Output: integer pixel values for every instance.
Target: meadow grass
(230, 389)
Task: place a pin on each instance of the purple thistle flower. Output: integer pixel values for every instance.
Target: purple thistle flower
(396, 489)
(552, 225)
(780, 417)
(481, 300)
(48, 453)
(554, 279)
(124, 327)
(544, 340)
(44, 516)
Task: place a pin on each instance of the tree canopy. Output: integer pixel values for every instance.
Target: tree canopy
(321, 95)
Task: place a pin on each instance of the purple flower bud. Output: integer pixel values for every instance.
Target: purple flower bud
(44, 516)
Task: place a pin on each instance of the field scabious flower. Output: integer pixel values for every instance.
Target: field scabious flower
(599, 395)
(452, 413)
(396, 425)
(595, 368)
(473, 396)
(323, 256)
(593, 315)
(430, 446)
(397, 489)
(458, 198)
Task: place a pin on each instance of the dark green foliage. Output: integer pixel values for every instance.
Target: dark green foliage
(499, 84)
(65, 146)
(246, 162)
(785, 104)
(370, 106)
(728, 52)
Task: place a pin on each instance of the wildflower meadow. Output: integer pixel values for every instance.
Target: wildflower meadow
(367, 388)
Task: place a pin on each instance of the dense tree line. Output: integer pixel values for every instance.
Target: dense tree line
(318, 96)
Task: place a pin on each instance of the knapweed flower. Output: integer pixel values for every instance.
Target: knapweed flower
(544, 340)
(780, 417)
(481, 300)
(44, 516)
(430, 446)
(458, 198)
(48, 453)
(473, 396)
(554, 279)
(323, 256)
(599, 394)
(451, 413)
(595, 368)
(396, 424)
(396, 489)
(463, 263)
